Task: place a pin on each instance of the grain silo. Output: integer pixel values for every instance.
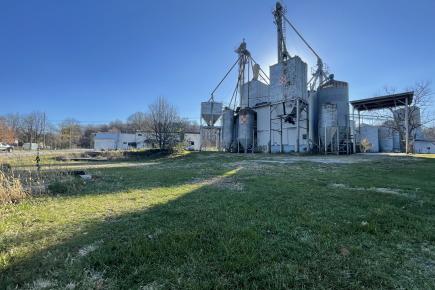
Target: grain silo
(227, 129)
(246, 130)
(335, 93)
(386, 139)
(369, 138)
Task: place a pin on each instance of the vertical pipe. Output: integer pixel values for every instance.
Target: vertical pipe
(297, 125)
(200, 134)
(246, 143)
(326, 141)
(280, 120)
(253, 140)
(249, 84)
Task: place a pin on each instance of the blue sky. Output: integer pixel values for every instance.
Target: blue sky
(100, 60)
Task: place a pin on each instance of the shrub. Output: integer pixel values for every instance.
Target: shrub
(11, 189)
(366, 145)
(149, 153)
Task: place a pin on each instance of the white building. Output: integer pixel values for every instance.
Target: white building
(122, 141)
(193, 141)
(424, 147)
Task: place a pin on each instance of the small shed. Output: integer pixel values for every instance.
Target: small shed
(193, 141)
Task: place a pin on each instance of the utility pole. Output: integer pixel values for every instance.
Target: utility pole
(70, 141)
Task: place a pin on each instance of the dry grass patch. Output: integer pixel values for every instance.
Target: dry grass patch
(11, 189)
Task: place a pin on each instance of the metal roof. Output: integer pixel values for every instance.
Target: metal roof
(383, 102)
(106, 135)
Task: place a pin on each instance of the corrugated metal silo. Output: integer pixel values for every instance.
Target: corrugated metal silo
(396, 141)
(371, 134)
(313, 113)
(227, 129)
(246, 123)
(336, 93)
(328, 121)
(386, 142)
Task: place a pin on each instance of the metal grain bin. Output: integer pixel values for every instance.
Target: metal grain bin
(227, 129)
(371, 133)
(386, 142)
(396, 142)
(313, 113)
(328, 125)
(336, 93)
(246, 123)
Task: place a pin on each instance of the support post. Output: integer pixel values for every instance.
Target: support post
(359, 126)
(406, 126)
(270, 129)
(354, 133)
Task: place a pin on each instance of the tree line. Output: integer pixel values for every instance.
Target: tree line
(161, 119)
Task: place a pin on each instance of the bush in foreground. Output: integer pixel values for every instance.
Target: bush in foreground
(11, 189)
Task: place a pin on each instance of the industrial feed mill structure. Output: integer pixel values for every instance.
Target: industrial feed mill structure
(283, 113)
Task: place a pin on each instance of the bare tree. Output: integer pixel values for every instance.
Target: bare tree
(429, 133)
(70, 131)
(190, 126)
(7, 134)
(14, 121)
(165, 123)
(139, 122)
(33, 127)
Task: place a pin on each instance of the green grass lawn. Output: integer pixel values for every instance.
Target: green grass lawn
(225, 221)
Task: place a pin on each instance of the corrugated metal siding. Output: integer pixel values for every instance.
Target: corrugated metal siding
(263, 126)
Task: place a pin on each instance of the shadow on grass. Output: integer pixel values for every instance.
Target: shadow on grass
(138, 248)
